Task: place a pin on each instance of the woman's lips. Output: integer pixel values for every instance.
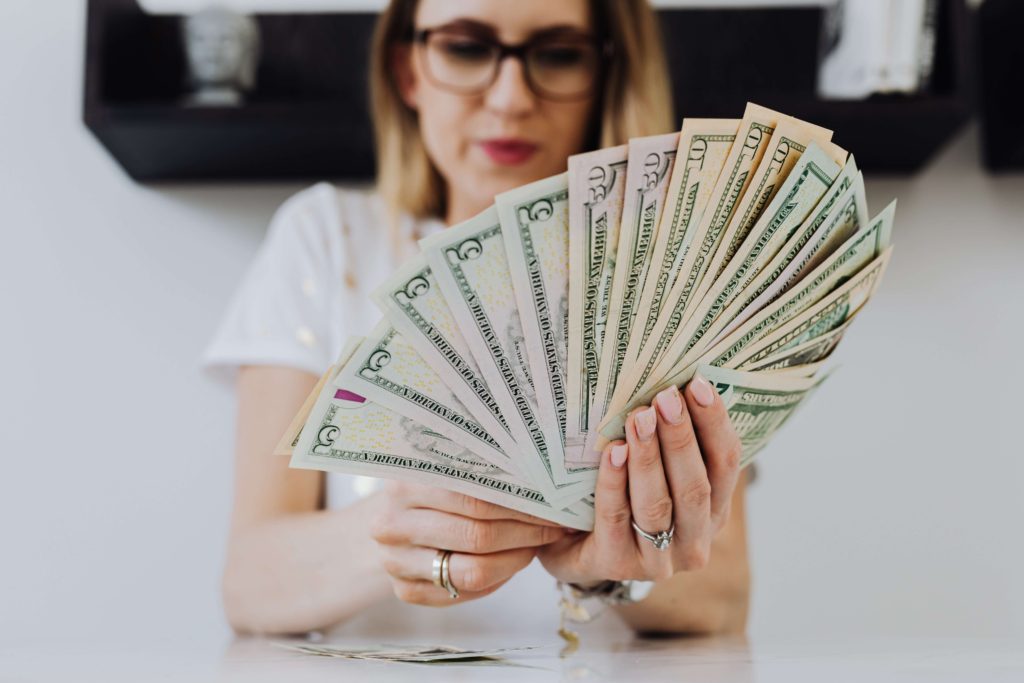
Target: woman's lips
(508, 151)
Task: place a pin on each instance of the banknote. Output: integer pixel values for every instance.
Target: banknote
(596, 187)
(412, 302)
(812, 175)
(387, 370)
(349, 434)
(291, 434)
(704, 145)
(535, 228)
(752, 139)
(471, 267)
(844, 213)
(649, 169)
(817, 347)
(851, 262)
(758, 403)
(818, 321)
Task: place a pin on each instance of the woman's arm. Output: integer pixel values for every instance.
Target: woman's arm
(711, 600)
(291, 566)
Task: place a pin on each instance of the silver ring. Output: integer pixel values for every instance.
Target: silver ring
(435, 571)
(660, 539)
(446, 576)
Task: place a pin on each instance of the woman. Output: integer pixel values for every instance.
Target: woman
(471, 98)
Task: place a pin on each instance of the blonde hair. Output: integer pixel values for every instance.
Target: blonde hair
(637, 100)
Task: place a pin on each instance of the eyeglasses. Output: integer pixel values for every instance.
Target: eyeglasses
(557, 67)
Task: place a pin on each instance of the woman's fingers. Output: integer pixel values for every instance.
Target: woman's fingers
(718, 442)
(468, 573)
(427, 594)
(687, 478)
(421, 496)
(436, 529)
(649, 496)
(614, 540)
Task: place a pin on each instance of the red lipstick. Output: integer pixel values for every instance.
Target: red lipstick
(508, 151)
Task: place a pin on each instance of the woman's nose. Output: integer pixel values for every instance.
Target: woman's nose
(509, 94)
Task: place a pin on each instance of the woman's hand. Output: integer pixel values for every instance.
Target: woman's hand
(490, 543)
(678, 466)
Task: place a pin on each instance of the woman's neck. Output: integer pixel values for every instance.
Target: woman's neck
(462, 208)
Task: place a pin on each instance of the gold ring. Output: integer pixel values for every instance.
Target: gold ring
(435, 572)
(446, 576)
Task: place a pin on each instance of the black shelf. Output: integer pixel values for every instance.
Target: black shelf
(308, 118)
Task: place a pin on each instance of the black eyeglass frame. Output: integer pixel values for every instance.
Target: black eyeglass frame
(518, 51)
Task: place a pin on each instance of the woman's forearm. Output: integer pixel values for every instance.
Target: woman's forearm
(304, 571)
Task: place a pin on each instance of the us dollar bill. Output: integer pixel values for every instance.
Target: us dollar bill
(596, 188)
(535, 227)
(837, 221)
(821, 321)
(759, 404)
(413, 303)
(845, 264)
(387, 370)
(704, 145)
(348, 434)
(811, 177)
(752, 139)
(855, 260)
(470, 264)
(649, 169)
(817, 347)
(294, 430)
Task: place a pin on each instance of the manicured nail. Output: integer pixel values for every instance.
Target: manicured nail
(646, 423)
(670, 405)
(618, 456)
(702, 391)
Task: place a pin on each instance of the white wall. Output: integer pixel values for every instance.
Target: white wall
(890, 505)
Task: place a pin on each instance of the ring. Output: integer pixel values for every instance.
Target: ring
(660, 539)
(446, 576)
(435, 572)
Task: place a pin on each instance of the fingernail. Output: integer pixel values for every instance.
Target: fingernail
(670, 405)
(702, 391)
(646, 423)
(618, 456)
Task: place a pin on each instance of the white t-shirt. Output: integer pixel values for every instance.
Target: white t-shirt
(307, 290)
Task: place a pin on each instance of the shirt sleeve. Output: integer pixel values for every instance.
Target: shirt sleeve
(279, 315)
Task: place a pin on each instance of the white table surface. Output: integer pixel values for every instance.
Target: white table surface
(607, 654)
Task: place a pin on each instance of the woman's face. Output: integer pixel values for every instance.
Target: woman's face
(506, 135)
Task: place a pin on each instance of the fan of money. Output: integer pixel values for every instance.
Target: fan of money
(514, 344)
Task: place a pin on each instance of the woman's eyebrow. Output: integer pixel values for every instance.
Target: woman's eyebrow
(484, 29)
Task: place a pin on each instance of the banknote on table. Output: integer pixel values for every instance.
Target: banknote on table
(704, 145)
(412, 302)
(291, 434)
(471, 268)
(811, 177)
(596, 188)
(649, 169)
(414, 654)
(758, 403)
(349, 434)
(535, 228)
(752, 139)
(387, 370)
